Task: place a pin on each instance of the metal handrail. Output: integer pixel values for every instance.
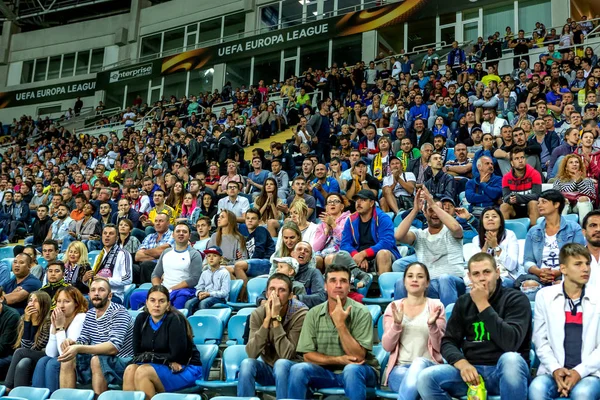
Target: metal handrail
(428, 45)
(529, 34)
(230, 38)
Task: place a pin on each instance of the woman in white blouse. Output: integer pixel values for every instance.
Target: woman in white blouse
(501, 243)
(67, 322)
(299, 214)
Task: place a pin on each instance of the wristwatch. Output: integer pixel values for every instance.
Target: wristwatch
(276, 318)
(497, 249)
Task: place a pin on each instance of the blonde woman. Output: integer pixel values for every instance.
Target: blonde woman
(335, 170)
(78, 271)
(299, 214)
(32, 338)
(572, 182)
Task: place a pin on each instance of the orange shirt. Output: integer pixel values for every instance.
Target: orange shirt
(76, 215)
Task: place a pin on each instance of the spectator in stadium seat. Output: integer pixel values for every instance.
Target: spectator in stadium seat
(439, 246)
(484, 190)
(260, 247)
(320, 343)
(420, 166)
(321, 186)
(569, 146)
(55, 279)
(492, 123)
(565, 314)
(419, 135)
(151, 249)
(9, 322)
(547, 140)
(544, 241)
(328, 237)
(31, 340)
(521, 188)
(282, 179)
(40, 227)
(178, 269)
(274, 332)
(229, 239)
(579, 191)
(367, 235)
(412, 333)
(22, 284)
(440, 184)
(85, 230)
(233, 202)
(300, 192)
(105, 346)
(494, 347)
(165, 358)
(113, 263)
(67, 322)
(462, 165)
(591, 233)
(398, 188)
(214, 283)
(520, 46)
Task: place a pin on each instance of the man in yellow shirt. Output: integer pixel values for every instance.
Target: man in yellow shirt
(159, 208)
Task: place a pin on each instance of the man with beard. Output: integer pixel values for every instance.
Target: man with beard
(591, 232)
(398, 188)
(60, 227)
(368, 236)
(322, 185)
(140, 203)
(113, 263)
(440, 184)
(439, 246)
(104, 346)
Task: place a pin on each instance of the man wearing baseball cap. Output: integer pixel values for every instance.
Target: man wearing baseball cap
(213, 286)
(368, 235)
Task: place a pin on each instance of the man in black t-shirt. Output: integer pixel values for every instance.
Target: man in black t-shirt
(520, 46)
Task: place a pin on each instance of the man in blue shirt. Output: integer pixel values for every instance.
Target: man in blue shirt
(22, 284)
(256, 178)
(323, 185)
(419, 110)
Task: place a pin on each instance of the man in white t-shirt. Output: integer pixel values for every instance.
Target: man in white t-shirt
(129, 117)
(439, 247)
(178, 269)
(492, 123)
(397, 188)
(591, 232)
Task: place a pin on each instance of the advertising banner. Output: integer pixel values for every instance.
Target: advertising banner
(44, 94)
(147, 69)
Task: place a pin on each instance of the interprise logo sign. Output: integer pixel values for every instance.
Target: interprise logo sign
(137, 71)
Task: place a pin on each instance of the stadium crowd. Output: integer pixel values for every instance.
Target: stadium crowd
(385, 169)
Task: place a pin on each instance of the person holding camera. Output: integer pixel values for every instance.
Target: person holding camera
(520, 46)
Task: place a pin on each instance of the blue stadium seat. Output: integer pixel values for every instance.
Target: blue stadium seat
(518, 228)
(235, 329)
(232, 359)
(176, 396)
(380, 327)
(92, 256)
(223, 314)
(13, 398)
(183, 311)
(255, 287)
(6, 252)
(121, 395)
(42, 262)
(235, 287)
(233, 398)
(2, 390)
(208, 354)
(387, 281)
(449, 309)
(73, 394)
(9, 261)
(134, 313)
(375, 312)
(524, 221)
(365, 289)
(207, 329)
(384, 392)
(30, 393)
(127, 292)
(246, 311)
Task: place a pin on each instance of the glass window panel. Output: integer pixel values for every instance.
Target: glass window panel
(449, 18)
(234, 25)
(531, 12)
(173, 41)
(40, 69)
(328, 8)
(210, 30)
(192, 28)
(238, 73)
(267, 67)
(291, 14)
(497, 19)
(269, 17)
(315, 56)
(311, 12)
(83, 61)
(347, 49)
(393, 36)
(150, 45)
(114, 96)
(68, 66)
(192, 39)
(346, 6)
(175, 85)
(135, 87)
(27, 72)
(470, 32)
(201, 81)
(97, 60)
(54, 67)
(470, 14)
(420, 32)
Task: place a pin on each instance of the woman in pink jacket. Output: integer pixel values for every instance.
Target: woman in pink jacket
(328, 236)
(413, 330)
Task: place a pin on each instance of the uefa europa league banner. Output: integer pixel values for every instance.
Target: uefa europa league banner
(325, 29)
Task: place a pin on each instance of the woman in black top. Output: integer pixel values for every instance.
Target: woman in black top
(165, 357)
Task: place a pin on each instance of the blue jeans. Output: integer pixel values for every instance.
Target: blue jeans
(354, 379)
(194, 304)
(447, 288)
(401, 264)
(544, 387)
(403, 378)
(509, 379)
(253, 371)
(257, 267)
(47, 373)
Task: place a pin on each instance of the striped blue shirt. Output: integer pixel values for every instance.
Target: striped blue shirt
(115, 326)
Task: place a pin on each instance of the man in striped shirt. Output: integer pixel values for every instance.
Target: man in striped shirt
(104, 346)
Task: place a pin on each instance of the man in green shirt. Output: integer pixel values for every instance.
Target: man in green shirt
(336, 340)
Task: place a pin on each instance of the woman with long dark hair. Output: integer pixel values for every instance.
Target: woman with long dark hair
(412, 333)
(229, 239)
(66, 323)
(165, 357)
(493, 238)
(267, 202)
(208, 206)
(31, 341)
